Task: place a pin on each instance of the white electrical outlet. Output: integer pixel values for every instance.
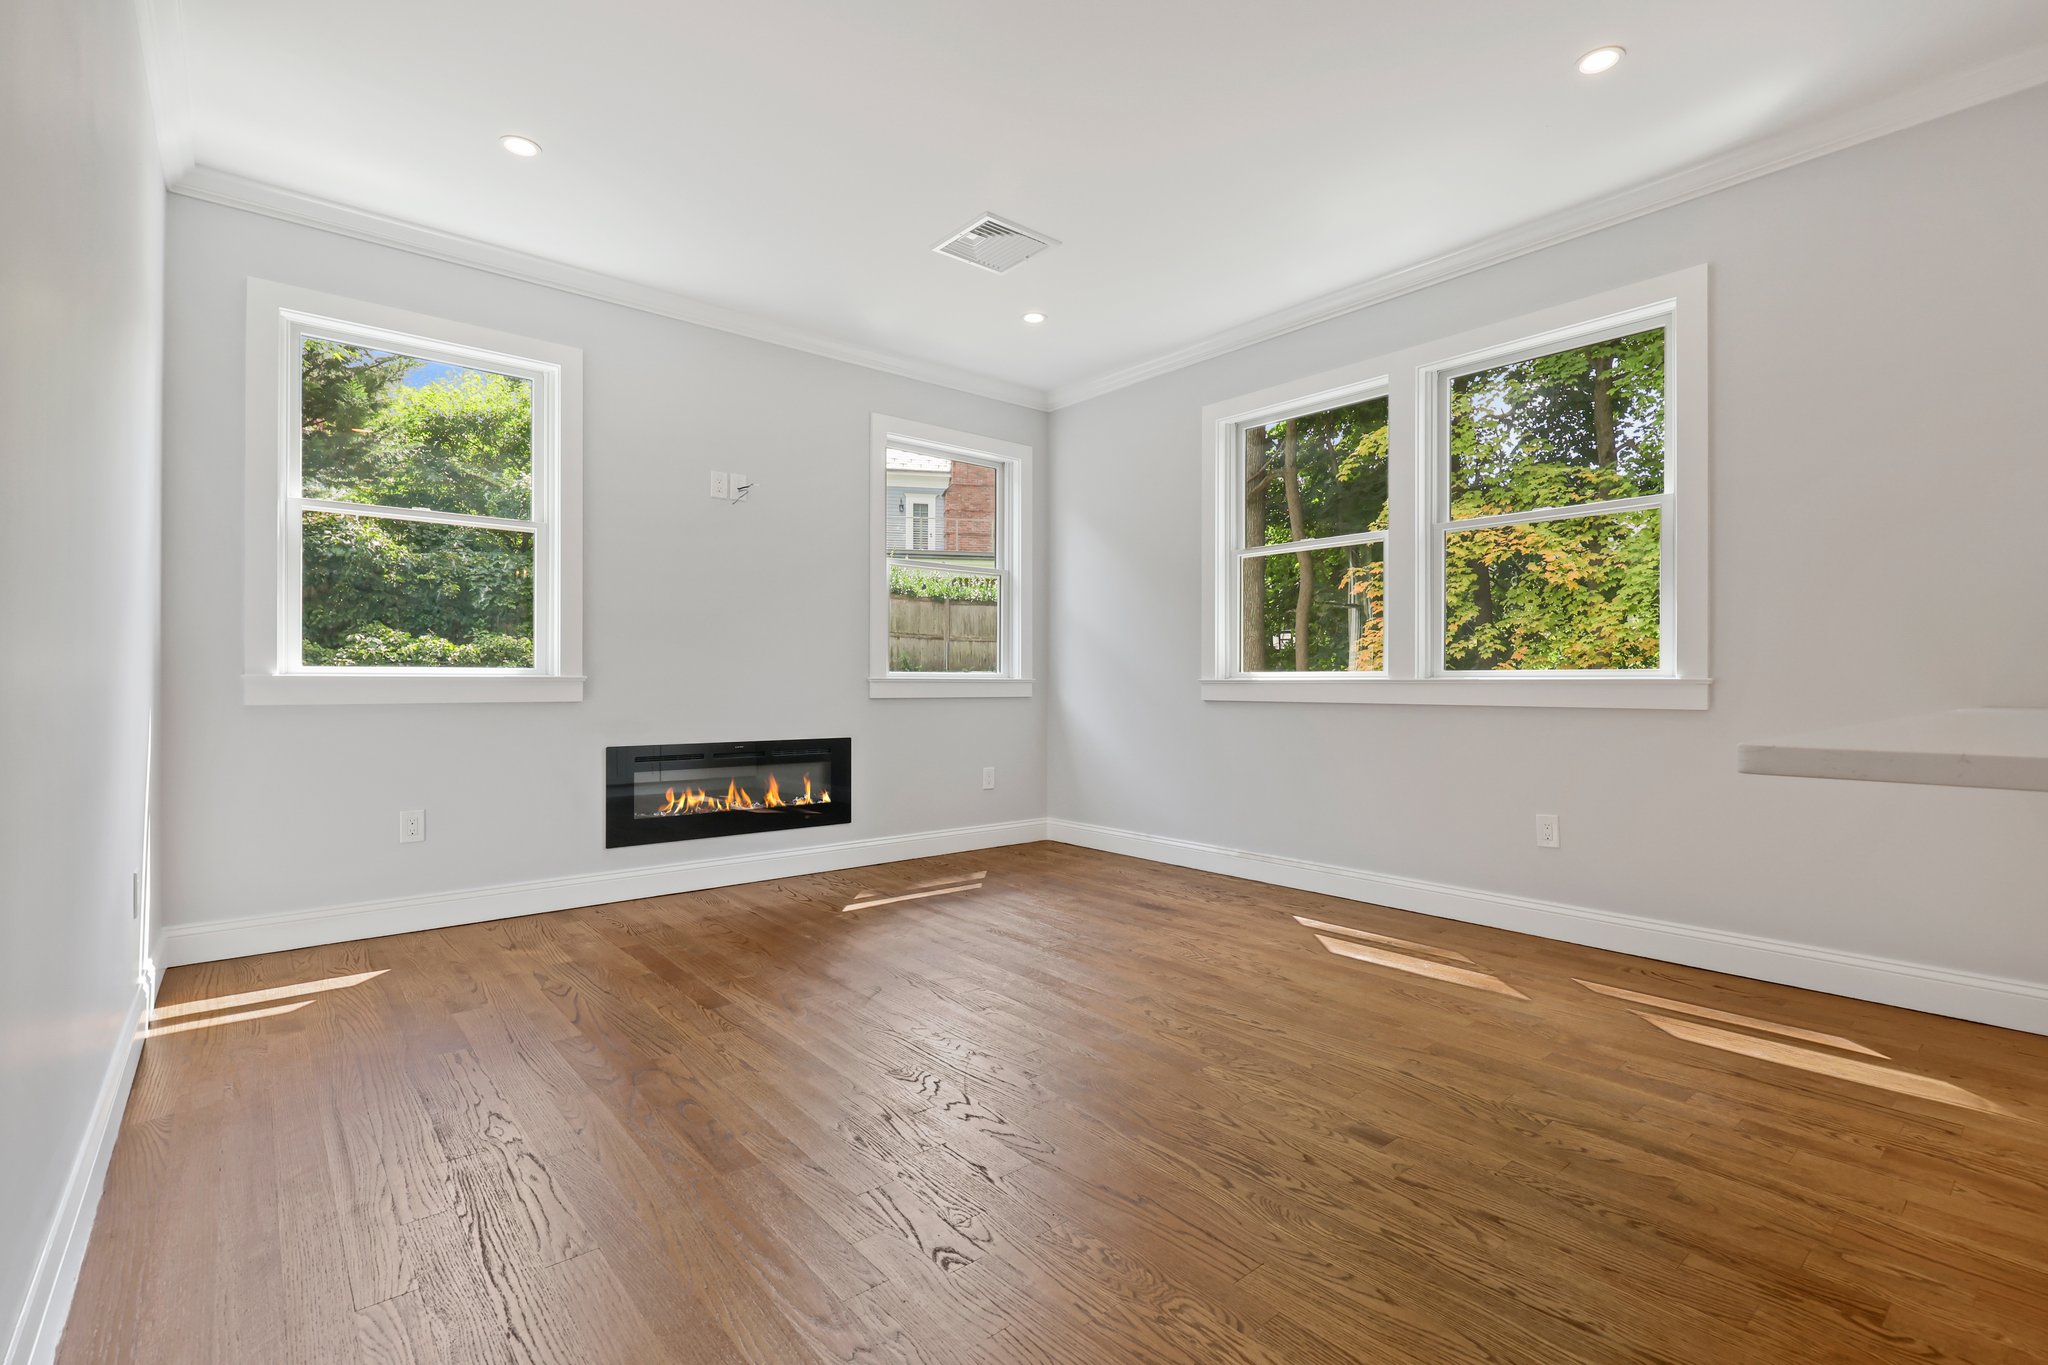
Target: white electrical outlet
(1546, 831)
(412, 826)
(988, 779)
(720, 483)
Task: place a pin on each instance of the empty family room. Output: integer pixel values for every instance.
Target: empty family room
(822, 683)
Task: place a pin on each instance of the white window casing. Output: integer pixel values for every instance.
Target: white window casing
(1416, 382)
(279, 318)
(1011, 567)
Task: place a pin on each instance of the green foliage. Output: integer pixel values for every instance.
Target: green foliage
(1339, 463)
(463, 443)
(382, 592)
(1321, 474)
(940, 587)
(1574, 594)
(1346, 627)
(1591, 409)
(1582, 425)
(383, 647)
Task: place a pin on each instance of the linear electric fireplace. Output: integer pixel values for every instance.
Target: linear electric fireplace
(657, 792)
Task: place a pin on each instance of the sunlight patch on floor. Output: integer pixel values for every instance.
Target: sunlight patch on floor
(214, 1021)
(1435, 971)
(223, 1002)
(1346, 930)
(1842, 1068)
(1724, 1017)
(910, 896)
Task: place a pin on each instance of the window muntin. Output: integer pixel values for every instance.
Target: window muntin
(947, 562)
(1313, 499)
(1551, 475)
(418, 488)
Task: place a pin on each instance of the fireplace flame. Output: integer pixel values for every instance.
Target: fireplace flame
(697, 801)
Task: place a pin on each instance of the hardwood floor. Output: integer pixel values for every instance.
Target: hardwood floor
(1079, 1109)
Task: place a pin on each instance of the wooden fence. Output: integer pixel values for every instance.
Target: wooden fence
(927, 636)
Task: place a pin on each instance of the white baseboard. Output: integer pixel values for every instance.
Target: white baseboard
(41, 1321)
(1937, 990)
(2003, 1001)
(216, 940)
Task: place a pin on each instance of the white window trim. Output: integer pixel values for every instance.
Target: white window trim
(1013, 558)
(1413, 382)
(278, 316)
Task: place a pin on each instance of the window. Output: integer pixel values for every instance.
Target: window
(1550, 475)
(1312, 560)
(951, 594)
(1516, 516)
(414, 481)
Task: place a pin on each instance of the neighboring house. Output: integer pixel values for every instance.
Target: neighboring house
(940, 508)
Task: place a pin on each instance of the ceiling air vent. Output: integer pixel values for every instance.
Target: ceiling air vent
(994, 244)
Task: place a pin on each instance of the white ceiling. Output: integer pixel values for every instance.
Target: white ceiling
(1203, 162)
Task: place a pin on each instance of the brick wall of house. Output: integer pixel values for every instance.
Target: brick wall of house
(971, 509)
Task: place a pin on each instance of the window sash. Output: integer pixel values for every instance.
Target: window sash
(1433, 458)
(1004, 609)
(1243, 557)
(544, 380)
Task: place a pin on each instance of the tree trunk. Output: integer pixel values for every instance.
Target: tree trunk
(1251, 611)
(1603, 412)
(1304, 585)
(1484, 615)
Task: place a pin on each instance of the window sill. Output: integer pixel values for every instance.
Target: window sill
(1661, 694)
(388, 689)
(949, 685)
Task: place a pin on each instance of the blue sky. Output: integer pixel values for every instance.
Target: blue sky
(432, 372)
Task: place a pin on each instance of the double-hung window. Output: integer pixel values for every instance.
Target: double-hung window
(411, 508)
(1514, 516)
(1312, 534)
(950, 582)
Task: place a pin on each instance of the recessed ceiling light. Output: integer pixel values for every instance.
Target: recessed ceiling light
(1600, 59)
(519, 146)
(1034, 318)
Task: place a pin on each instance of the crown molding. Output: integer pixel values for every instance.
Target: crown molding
(2007, 75)
(216, 186)
(162, 26)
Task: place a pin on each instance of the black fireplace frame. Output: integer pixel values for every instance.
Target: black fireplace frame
(621, 762)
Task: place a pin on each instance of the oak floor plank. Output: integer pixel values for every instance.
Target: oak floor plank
(1042, 1104)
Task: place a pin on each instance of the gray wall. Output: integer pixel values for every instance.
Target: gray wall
(80, 309)
(1879, 485)
(702, 621)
